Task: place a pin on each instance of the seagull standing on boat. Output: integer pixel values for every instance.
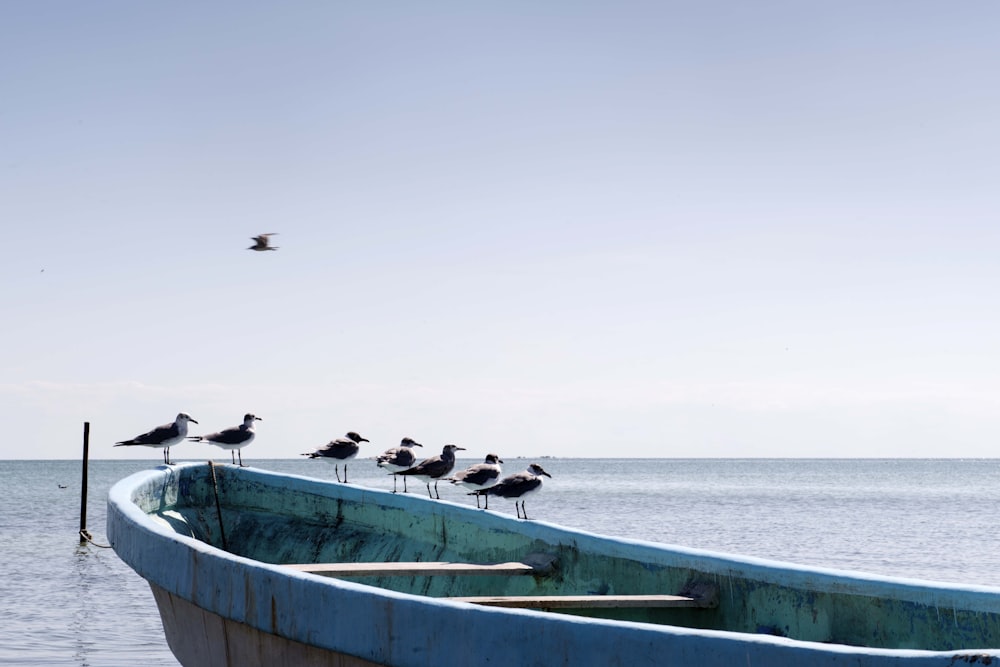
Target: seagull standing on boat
(517, 487)
(339, 450)
(162, 436)
(262, 242)
(434, 468)
(480, 476)
(398, 458)
(234, 438)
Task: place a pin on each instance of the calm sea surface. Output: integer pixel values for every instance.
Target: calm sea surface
(66, 604)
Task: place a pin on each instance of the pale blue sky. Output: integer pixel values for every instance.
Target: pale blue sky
(565, 228)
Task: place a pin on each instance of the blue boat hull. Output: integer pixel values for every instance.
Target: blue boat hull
(222, 608)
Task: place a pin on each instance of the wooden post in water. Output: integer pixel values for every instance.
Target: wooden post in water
(84, 535)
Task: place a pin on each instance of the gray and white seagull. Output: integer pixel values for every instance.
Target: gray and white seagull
(398, 458)
(340, 449)
(262, 242)
(480, 476)
(517, 487)
(434, 468)
(162, 437)
(234, 438)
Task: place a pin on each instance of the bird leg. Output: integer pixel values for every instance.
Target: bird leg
(429, 494)
(436, 494)
(404, 484)
(239, 452)
(477, 501)
(345, 473)
(486, 497)
(524, 511)
(394, 483)
(166, 455)
(336, 471)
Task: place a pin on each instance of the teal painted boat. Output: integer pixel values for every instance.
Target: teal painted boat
(250, 568)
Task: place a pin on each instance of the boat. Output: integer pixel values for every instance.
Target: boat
(250, 567)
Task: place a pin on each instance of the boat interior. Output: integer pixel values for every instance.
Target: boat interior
(414, 545)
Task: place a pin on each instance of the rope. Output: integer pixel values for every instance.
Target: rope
(84, 535)
(218, 505)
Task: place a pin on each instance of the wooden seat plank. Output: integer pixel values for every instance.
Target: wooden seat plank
(413, 568)
(581, 601)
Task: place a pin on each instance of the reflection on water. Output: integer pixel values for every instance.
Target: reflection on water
(67, 603)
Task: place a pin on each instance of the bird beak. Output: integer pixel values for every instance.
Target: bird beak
(260, 419)
(192, 420)
(547, 474)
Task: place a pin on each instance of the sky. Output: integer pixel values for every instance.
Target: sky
(630, 229)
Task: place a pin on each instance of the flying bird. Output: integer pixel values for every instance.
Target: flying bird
(162, 437)
(517, 487)
(434, 468)
(262, 242)
(339, 450)
(398, 458)
(234, 438)
(480, 476)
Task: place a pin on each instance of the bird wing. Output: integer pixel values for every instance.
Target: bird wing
(339, 448)
(427, 467)
(229, 436)
(388, 456)
(477, 474)
(399, 456)
(154, 436)
(515, 485)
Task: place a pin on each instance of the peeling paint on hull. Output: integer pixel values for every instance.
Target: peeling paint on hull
(240, 607)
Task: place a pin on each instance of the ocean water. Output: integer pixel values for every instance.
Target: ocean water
(66, 604)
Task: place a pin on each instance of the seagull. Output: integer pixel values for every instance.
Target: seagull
(262, 242)
(339, 450)
(162, 436)
(517, 487)
(234, 438)
(398, 458)
(434, 468)
(479, 476)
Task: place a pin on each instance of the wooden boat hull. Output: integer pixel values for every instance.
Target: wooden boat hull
(200, 638)
(243, 606)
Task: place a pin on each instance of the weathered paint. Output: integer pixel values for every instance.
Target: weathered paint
(193, 635)
(163, 523)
